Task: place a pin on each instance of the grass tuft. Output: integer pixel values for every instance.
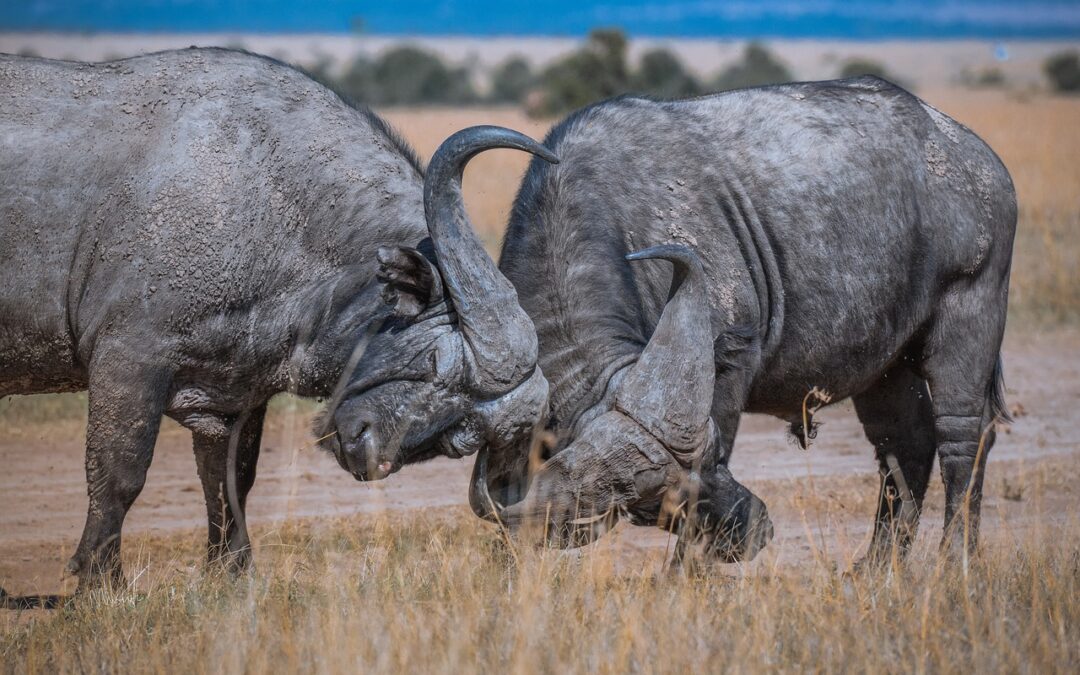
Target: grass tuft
(438, 592)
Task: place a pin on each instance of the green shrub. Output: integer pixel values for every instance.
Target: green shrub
(512, 80)
(758, 67)
(406, 76)
(983, 77)
(662, 74)
(596, 71)
(859, 66)
(1063, 70)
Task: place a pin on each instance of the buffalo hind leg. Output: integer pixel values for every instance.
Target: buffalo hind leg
(962, 364)
(227, 542)
(898, 419)
(125, 406)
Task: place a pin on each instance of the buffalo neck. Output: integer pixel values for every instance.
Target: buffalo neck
(364, 192)
(589, 317)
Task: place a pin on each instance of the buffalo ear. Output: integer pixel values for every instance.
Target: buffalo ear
(411, 281)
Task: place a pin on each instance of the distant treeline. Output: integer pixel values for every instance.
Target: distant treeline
(408, 75)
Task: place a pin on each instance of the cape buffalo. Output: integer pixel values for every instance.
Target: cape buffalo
(855, 241)
(188, 233)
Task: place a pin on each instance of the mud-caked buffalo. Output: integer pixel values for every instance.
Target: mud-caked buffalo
(188, 233)
(854, 242)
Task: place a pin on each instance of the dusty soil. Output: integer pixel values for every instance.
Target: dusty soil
(820, 499)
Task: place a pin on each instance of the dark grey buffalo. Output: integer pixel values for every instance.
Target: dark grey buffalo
(188, 233)
(855, 242)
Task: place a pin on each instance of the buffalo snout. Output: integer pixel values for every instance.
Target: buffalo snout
(363, 459)
(354, 442)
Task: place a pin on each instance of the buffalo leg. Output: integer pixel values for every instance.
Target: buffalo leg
(125, 406)
(227, 542)
(735, 361)
(898, 418)
(960, 363)
(728, 400)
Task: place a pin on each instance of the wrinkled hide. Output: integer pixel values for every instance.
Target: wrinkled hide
(643, 459)
(855, 242)
(188, 233)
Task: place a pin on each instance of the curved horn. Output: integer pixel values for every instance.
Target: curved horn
(498, 331)
(669, 390)
(479, 495)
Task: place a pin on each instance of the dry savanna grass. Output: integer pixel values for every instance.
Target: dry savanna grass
(492, 178)
(443, 592)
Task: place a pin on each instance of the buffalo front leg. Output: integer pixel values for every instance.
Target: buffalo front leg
(125, 406)
(726, 415)
(227, 543)
(898, 418)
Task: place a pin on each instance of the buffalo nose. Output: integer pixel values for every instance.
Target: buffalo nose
(358, 444)
(761, 533)
(767, 533)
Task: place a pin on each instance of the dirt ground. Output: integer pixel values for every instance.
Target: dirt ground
(822, 498)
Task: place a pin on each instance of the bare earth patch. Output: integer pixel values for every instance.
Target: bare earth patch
(822, 500)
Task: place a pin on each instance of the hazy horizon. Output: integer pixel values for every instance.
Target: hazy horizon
(733, 19)
(915, 62)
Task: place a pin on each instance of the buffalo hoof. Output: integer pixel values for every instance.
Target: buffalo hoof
(8, 601)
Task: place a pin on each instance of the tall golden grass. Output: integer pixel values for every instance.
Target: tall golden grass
(443, 592)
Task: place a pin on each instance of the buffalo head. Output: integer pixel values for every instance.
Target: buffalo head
(643, 458)
(453, 367)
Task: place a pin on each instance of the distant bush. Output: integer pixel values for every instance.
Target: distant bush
(597, 70)
(984, 77)
(859, 66)
(410, 75)
(406, 76)
(511, 81)
(320, 71)
(358, 82)
(662, 74)
(1063, 70)
(758, 67)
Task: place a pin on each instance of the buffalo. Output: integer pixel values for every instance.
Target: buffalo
(189, 233)
(853, 241)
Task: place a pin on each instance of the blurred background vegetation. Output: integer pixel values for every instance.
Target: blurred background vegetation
(408, 75)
